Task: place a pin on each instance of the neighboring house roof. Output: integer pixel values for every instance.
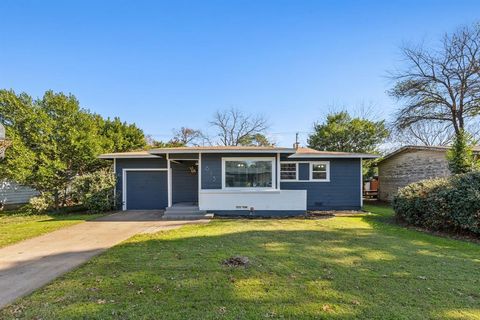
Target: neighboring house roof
(476, 150)
(301, 152)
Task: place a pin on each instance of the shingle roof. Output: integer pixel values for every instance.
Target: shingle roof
(301, 152)
(476, 150)
(221, 148)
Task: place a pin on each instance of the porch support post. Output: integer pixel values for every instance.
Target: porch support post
(169, 181)
(278, 170)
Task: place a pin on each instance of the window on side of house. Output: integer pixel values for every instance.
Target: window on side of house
(250, 173)
(288, 171)
(320, 171)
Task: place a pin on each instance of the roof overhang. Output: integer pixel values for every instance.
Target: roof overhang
(293, 153)
(126, 156)
(214, 150)
(324, 156)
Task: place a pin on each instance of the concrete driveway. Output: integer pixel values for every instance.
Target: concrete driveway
(32, 263)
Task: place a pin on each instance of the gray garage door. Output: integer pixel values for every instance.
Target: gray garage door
(147, 190)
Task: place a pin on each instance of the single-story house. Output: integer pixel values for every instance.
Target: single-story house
(411, 164)
(14, 195)
(238, 180)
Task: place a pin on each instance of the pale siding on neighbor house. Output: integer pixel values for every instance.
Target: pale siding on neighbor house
(12, 193)
(407, 167)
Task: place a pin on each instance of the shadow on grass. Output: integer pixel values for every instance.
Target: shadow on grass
(299, 270)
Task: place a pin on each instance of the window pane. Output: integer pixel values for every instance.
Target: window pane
(288, 171)
(288, 167)
(248, 174)
(319, 175)
(320, 167)
(286, 175)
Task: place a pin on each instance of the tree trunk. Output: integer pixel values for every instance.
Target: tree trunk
(56, 199)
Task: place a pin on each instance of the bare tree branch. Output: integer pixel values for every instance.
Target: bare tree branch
(187, 136)
(234, 126)
(425, 133)
(441, 85)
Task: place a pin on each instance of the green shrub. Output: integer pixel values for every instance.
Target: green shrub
(95, 190)
(442, 204)
(38, 204)
(460, 156)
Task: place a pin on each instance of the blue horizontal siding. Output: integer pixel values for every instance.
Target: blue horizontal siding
(341, 193)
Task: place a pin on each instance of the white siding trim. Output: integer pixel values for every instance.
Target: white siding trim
(199, 173)
(278, 171)
(124, 182)
(256, 200)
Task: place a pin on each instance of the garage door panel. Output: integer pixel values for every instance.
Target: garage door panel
(146, 190)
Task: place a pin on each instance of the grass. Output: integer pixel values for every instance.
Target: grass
(339, 268)
(18, 227)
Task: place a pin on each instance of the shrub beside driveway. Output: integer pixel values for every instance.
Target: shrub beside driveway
(340, 268)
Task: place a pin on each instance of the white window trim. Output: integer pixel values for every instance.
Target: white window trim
(296, 171)
(124, 182)
(327, 164)
(271, 159)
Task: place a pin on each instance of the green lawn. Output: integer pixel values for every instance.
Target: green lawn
(17, 227)
(337, 268)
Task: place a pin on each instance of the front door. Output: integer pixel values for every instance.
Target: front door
(185, 181)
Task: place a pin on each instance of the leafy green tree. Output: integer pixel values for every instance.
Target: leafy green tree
(341, 132)
(121, 136)
(152, 143)
(54, 140)
(460, 156)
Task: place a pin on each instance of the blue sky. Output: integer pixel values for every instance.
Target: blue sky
(167, 64)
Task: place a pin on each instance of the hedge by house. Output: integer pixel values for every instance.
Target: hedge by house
(442, 204)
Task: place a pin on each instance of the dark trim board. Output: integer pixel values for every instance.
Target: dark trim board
(259, 213)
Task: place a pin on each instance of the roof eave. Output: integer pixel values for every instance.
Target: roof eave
(324, 156)
(111, 156)
(162, 151)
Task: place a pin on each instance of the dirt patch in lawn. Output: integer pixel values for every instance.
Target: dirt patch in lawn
(332, 214)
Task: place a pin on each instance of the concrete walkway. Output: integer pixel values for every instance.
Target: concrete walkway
(32, 263)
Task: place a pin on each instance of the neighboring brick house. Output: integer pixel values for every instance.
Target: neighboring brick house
(410, 164)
